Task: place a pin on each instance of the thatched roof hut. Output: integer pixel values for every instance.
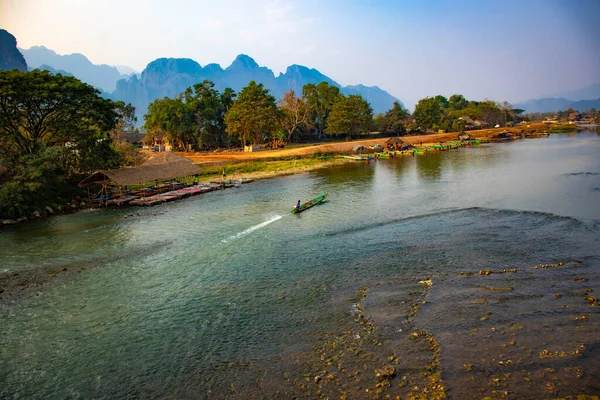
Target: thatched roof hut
(395, 141)
(145, 173)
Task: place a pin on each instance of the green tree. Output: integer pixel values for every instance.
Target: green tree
(167, 116)
(396, 119)
(457, 102)
(378, 124)
(209, 107)
(295, 112)
(429, 111)
(39, 109)
(253, 115)
(53, 129)
(320, 99)
(351, 115)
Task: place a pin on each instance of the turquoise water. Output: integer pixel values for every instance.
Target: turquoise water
(226, 295)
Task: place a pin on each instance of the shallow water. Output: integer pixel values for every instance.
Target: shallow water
(227, 295)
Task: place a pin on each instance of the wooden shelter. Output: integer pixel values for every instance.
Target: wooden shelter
(395, 143)
(179, 168)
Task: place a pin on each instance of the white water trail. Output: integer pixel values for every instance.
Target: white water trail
(252, 229)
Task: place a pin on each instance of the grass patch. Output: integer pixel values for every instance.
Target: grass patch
(563, 129)
(288, 164)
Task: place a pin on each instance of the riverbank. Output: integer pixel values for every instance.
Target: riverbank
(346, 147)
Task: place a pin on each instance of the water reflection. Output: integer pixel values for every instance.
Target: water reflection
(429, 166)
(351, 173)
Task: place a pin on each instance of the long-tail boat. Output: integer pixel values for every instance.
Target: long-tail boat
(310, 203)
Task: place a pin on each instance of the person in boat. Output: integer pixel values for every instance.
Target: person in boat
(298, 205)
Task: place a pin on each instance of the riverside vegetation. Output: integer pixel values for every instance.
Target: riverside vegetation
(55, 130)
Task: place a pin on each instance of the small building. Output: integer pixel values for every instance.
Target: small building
(142, 175)
(252, 148)
(157, 140)
(395, 143)
(133, 137)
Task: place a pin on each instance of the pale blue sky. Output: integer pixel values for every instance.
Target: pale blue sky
(503, 50)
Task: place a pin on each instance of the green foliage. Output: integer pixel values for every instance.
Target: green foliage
(53, 128)
(351, 115)
(38, 109)
(396, 120)
(253, 116)
(457, 102)
(194, 119)
(429, 111)
(320, 99)
(563, 129)
(36, 180)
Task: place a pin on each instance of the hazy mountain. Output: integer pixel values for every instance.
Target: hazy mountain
(171, 76)
(588, 92)
(45, 67)
(557, 104)
(10, 57)
(102, 76)
(125, 71)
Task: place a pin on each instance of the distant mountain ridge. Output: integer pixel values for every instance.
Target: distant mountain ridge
(585, 93)
(102, 76)
(557, 104)
(10, 57)
(581, 99)
(171, 76)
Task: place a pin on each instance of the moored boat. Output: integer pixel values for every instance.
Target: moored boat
(310, 203)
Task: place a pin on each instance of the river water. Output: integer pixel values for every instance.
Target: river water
(466, 273)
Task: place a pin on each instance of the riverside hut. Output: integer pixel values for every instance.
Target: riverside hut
(395, 143)
(129, 176)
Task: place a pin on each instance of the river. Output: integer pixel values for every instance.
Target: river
(466, 273)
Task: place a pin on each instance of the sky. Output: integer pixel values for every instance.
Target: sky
(502, 50)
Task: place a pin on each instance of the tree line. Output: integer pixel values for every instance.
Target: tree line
(204, 118)
(590, 114)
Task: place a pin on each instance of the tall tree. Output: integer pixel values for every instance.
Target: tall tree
(253, 115)
(351, 115)
(127, 120)
(429, 111)
(209, 108)
(171, 117)
(320, 99)
(395, 120)
(39, 109)
(295, 112)
(457, 102)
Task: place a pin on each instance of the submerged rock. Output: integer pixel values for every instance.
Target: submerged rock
(9, 222)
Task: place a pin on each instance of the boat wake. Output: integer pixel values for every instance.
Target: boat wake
(252, 229)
